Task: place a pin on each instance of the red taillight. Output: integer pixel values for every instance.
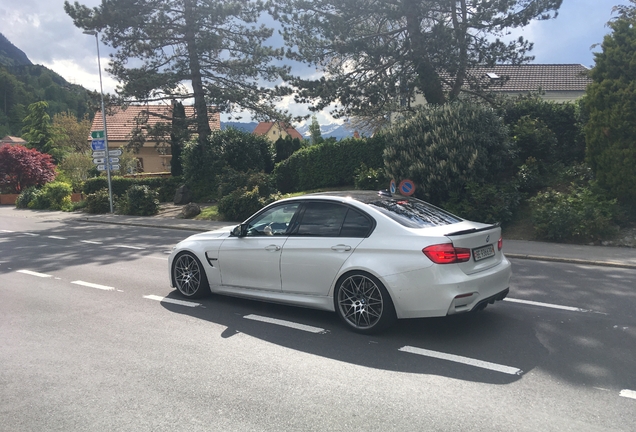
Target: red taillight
(446, 253)
(500, 243)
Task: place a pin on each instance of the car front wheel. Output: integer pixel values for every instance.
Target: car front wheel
(362, 302)
(189, 276)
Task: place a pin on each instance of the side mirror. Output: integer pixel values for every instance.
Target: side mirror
(238, 231)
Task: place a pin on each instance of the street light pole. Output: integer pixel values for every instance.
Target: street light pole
(101, 91)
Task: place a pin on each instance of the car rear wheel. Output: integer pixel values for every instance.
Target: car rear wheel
(189, 276)
(363, 303)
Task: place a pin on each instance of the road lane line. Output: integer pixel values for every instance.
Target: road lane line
(628, 394)
(463, 360)
(129, 247)
(92, 285)
(57, 238)
(552, 306)
(90, 242)
(31, 234)
(173, 301)
(7, 231)
(32, 273)
(283, 323)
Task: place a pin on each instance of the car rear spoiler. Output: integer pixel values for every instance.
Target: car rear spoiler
(473, 230)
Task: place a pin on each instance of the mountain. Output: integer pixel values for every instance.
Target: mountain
(10, 55)
(331, 130)
(23, 83)
(334, 130)
(245, 127)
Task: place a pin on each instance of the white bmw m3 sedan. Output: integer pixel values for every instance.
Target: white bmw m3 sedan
(371, 257)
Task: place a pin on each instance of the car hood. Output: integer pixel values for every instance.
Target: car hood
(209, 235)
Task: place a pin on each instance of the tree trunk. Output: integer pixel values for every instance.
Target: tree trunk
(200, 106)
(428, 81)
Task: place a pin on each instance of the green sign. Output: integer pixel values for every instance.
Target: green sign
(97, 134)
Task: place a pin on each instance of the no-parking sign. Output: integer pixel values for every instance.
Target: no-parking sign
(406, 187)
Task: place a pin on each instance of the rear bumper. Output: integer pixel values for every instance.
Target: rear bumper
(446, 290)
(490, 300)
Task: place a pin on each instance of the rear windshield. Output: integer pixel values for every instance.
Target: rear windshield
(413, 213)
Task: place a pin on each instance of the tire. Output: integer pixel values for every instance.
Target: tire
(363, 303)
(189, 276)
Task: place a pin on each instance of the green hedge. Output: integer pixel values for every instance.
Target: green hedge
(328, 165)
(164, 186)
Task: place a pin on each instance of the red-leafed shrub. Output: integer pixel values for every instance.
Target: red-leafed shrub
(21, 167)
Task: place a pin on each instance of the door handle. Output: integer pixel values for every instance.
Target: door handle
(272, 248)
(341, 248)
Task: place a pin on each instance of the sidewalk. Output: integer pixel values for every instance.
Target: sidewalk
(520, 249)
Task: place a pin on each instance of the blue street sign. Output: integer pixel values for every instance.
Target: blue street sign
(406, 187)
(98, 144)
(392, 187)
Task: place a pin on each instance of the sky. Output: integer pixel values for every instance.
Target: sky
(48, 37)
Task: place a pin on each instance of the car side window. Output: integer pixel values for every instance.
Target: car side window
(356, 224)
(273, 222)
(321, 219)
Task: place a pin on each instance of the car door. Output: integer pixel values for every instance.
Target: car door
(253, 260)
(326, 234)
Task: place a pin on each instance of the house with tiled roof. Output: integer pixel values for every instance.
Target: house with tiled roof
(124, 124)
(275, 130)
(12, 141)
(555, 82)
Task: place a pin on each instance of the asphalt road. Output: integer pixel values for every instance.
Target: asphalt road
(93, 338)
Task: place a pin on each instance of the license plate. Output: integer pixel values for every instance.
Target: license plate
(484, 252)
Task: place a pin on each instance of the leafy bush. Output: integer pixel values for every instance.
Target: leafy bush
(139, 200)
(243, 151)
(581, 214)
(52, 196)
(201, 167)
(98, 202)
(564, 120)
(285, 147)
(27, 196)
(58, 195)
(487, 203)
(21, 167)
(370, 178)
(165, 186)
(444, 148)
(230, 180)
(328, 164)
(242, 203)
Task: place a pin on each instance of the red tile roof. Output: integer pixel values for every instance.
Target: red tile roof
(121, 121)
(264, 127)
(531, 77)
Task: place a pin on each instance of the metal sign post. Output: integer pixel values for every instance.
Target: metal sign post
(102, 134)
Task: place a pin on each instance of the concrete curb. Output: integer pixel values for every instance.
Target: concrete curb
(572, 261)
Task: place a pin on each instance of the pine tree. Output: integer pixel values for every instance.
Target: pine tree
(610, 132)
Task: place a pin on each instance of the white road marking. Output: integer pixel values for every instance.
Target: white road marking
(283, 323)
(7, 231)
(32, 273)
(173, 301)
(129, 247)
(628, 394)
(90, 242)
(57, 237)
(31, 234)
(92, 285)
(552, 306)
(463, 360)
